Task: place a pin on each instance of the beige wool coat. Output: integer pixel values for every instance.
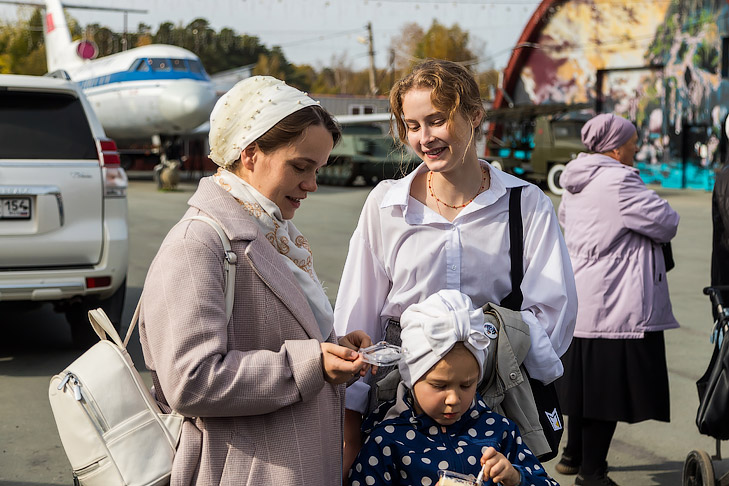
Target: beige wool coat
(263, 414)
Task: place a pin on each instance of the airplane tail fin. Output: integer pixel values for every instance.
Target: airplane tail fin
(60, 51)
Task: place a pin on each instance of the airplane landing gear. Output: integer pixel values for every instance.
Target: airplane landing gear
(167, 172)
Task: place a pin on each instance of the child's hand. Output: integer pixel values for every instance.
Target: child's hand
(499, 469)
(356, 340)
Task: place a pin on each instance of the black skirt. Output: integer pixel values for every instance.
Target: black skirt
(624, 380)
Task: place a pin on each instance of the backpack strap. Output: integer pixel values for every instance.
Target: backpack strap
(229, 262)
(515, 298)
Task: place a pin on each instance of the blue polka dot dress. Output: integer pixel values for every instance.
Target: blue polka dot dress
(404, 448)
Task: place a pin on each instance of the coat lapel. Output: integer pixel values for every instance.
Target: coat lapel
(262, 256)
(266, 262)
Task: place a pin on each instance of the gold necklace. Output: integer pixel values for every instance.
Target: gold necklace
(459, 206)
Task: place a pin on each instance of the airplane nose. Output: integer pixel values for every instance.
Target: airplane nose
(188, 104)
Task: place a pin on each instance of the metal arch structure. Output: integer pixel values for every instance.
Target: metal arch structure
(519, 56)
(522, 49)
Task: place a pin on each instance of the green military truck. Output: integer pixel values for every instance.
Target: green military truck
(365, 155)
(535, 142)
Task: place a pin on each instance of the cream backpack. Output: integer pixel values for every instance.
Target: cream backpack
(112, 430)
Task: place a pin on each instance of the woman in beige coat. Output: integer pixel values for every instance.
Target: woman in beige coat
(264, 391)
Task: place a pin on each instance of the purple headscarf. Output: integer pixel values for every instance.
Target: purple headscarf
(606, 132)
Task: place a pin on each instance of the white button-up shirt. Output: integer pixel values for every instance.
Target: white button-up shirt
(402, 251)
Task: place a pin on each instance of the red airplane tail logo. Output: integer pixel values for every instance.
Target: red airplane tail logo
(49, 23)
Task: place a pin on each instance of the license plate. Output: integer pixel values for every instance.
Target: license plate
(15, 208)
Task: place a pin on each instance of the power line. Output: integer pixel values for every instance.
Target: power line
(320, 38)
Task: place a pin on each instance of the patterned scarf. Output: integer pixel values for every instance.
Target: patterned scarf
(281, 233)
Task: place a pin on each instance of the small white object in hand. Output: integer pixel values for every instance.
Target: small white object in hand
(381, 354)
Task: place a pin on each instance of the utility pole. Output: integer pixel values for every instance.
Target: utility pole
(124, 35)
(392, 66)
(373, 73)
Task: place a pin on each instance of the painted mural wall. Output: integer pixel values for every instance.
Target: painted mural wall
(657, 63)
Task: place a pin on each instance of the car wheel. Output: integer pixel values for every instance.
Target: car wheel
(322, 177)
(346, 172)
(82, 334)
(496, 164)
(553, 179)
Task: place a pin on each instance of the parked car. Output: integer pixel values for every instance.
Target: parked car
(535, 142)
(63, 206)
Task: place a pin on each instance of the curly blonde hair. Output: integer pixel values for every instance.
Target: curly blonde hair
(454, 90)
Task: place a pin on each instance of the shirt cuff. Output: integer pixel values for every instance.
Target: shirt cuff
(357, 396)
(541, 361)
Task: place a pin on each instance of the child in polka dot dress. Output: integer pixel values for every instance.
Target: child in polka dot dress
(438, 421)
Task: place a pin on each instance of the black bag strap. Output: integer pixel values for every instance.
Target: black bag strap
(515, 298)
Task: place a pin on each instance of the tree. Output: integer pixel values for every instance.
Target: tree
(441, 42)
(107, 41)
(488, 83)
(164, 33)
(274, 63)
(405, 45)
(21, 46)
(451, 43)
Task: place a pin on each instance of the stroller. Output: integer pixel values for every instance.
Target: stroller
(712, 418)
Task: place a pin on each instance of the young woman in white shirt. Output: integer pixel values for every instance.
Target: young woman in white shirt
(445, 226)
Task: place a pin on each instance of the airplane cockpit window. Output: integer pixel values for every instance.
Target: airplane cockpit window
(178, 65)
(195, 66)
(159, 64)
(148, 65)
(140, 65)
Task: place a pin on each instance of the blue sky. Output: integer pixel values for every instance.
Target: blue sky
(315, 31)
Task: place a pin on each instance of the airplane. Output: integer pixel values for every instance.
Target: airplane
(153, 92)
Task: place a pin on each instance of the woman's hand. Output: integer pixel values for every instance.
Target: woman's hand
(341, 364)
(499, 469)
(357, 340)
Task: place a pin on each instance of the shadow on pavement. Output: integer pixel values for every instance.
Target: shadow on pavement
(37, 341)
(664, 473)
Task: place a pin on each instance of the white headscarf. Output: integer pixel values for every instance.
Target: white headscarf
(248, 110)
(432, 327)
(251, 108)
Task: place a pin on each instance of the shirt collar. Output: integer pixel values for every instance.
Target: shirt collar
(399, 193)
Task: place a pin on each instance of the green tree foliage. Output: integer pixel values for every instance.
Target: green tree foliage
(440, 42)
(21, 46)
(217, 51)
(443, 42)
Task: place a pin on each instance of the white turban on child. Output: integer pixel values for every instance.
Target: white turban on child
(248, 110)
(432, 327)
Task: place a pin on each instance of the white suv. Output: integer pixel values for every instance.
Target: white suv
(63, 206)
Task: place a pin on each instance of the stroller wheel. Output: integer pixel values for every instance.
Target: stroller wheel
(698, 470)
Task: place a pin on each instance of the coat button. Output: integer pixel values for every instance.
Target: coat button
(512, 375)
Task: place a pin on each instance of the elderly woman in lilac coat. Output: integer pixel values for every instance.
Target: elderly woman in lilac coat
(615, 368)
